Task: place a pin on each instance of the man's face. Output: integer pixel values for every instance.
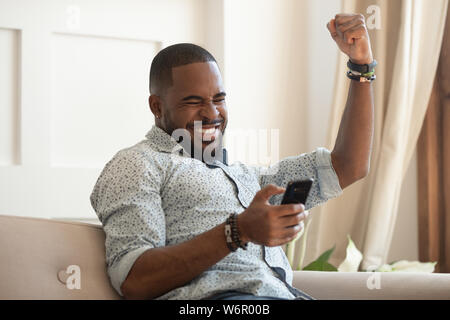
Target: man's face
(197, 94)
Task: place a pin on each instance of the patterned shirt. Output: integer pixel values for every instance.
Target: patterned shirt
(153, 195)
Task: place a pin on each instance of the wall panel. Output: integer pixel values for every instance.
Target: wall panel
(9, 97)
(99, 97)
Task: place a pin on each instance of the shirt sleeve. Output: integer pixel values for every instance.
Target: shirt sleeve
(316, 165)
(127, 201)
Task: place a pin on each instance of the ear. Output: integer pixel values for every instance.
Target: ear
(154, 102)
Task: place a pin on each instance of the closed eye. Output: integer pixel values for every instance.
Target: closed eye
(195, 100)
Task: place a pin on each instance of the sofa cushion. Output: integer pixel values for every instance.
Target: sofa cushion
(34, 251)
(325, 285)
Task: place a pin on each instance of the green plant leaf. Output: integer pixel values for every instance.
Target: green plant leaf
(320, 266)
(328, 267)
(321, 263)
(326, 255)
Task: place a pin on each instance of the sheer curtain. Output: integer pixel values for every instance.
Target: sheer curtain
(406, 45)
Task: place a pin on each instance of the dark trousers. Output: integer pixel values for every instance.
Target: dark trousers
(236, 295)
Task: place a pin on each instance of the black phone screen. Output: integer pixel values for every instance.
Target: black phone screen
(297, 191)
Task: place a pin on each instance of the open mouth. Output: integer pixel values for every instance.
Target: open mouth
(206, 132)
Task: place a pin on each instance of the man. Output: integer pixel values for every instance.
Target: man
(180, 227)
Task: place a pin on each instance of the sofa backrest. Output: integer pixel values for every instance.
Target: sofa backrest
(38, 255)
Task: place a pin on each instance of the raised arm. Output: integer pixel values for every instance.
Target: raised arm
(353, 147)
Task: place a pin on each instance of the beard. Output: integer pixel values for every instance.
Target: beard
(207, 151)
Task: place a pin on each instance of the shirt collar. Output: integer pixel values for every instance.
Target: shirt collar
(163, 142)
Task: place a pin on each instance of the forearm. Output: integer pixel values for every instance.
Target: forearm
(159, 270)
(352, 150)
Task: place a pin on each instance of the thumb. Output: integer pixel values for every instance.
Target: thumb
(332, 28)
(268, 191)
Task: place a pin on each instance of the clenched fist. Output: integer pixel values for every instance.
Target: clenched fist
(350, 34)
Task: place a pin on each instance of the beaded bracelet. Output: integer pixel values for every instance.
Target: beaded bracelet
(235, 232)
(232, 234)
(228, 237)
(367, 77)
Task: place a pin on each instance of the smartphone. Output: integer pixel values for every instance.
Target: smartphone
(297, 191)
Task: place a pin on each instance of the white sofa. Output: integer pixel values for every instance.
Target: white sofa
(35, 254)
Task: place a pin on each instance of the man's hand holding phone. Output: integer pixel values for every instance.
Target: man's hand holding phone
(271, 225)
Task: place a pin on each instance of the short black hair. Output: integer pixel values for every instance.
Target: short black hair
(174, 56)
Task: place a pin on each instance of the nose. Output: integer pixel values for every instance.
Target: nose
(209, 110)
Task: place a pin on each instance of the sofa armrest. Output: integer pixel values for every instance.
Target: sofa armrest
(369, 285)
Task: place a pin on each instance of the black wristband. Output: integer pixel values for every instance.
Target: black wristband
(362, 68)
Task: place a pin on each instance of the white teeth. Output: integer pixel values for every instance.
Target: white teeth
(207, 134)
(206, 131)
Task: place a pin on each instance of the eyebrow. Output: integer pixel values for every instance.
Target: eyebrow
(194, 97)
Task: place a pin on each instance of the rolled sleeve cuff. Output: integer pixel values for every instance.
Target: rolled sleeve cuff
(328, 179)
(119, 271)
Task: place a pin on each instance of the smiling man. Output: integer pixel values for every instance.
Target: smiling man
(181, 223)
(186, 86)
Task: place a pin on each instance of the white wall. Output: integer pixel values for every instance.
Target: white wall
(73, 91)
(265, 68)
